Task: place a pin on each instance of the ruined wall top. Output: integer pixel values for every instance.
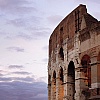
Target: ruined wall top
(70, 19)
(78, 21)
(67, 27)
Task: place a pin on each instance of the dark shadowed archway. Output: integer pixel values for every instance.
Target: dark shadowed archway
(71, 80)
(61, 53)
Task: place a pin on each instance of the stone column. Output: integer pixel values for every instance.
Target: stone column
(60, 89)
(53, 90)
(65, 85)
(95, 79)
(70, 85)
(81, 88)
(57, 88)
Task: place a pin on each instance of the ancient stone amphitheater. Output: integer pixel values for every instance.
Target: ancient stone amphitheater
(74, 58)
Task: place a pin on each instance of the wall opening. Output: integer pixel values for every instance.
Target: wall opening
(85, 62)
(61, 35)
(54, 86)
(61, 53)
(77, 21)
(49, 79)
(71, 80)
(61, 75)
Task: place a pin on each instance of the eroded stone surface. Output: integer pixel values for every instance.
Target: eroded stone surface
(74, 58)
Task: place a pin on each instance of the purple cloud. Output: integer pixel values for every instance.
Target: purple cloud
(16, 88)
(33, 35)
(15, 66)
(1, 74)
(17, 49)
(21, 73)
(17, 22)
(24, 21)
(7, 79)
(26, 36)
(16, 6)
(22, 90)
(26, 79)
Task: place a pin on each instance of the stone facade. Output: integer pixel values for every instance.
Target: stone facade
(74, 58)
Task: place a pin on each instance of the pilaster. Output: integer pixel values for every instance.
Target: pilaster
(95, 81)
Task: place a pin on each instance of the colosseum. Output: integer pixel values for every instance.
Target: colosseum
(74, 58)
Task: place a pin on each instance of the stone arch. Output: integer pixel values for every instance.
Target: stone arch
(60, 84)
(54, 85)
(61, 53)
(71, 80)
(86, 69)
(85, 60)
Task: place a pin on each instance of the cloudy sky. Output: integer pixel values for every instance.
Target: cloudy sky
(25, 28)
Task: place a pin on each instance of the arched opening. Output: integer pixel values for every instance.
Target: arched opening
(49, 87)
(61, 53)
(61, 75)
(71, 80)
(71, 70)
(85, 62)
(61, 85)
(54, 86)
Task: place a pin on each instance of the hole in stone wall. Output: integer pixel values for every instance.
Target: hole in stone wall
(61, 53)
(71, 80)
(61, 74)
(85, 62)
(49, 79)
(71, 70)
(54, 77)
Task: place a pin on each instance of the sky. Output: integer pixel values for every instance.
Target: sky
(25, 28)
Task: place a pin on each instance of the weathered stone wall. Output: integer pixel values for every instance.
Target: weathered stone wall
(74, 58)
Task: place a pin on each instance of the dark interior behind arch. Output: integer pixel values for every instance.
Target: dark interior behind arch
(61, 53)
(71, 69)
(61, 74)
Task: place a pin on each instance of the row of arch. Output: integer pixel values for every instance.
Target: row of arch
(57, 83)
(58, 91)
